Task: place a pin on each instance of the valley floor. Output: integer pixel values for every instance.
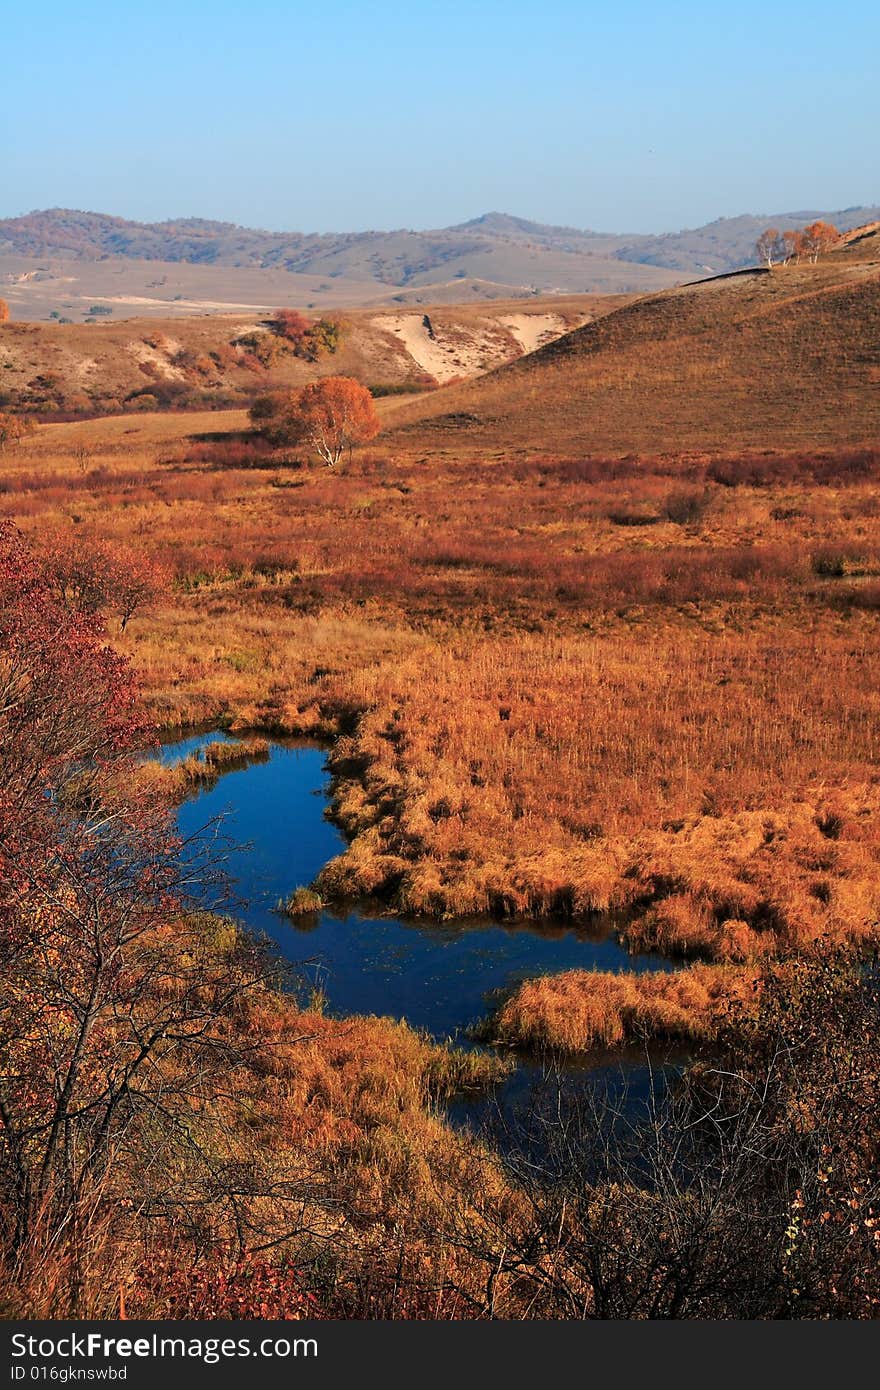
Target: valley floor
(553, 685)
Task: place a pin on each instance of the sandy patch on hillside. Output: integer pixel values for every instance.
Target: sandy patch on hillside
(532, 331)
(144, 354)
(85, 369)
(464, 351)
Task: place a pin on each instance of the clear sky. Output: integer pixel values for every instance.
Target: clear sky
(645, 116)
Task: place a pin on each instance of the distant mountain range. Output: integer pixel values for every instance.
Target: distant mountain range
(489, 256)
(398, 258)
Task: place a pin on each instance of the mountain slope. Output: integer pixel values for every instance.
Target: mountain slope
(387, 261)
(785, 358)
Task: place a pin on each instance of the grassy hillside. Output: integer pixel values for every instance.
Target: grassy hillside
(764, 359)
(207, 360)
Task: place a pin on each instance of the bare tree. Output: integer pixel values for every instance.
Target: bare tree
(768, 247)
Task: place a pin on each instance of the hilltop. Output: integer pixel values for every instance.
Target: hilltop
(762, 358)
(63, 260)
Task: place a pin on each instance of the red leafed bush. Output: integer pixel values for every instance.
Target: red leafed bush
(93, 576)
(218, 1291)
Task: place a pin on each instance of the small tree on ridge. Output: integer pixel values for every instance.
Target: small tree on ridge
(767, 246)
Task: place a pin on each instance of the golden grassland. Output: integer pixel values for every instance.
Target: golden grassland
(712, 787)
(554, 687)
(558, 682)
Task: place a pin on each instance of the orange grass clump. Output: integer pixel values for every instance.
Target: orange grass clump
(581, 1009)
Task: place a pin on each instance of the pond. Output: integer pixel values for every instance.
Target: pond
(438, 976)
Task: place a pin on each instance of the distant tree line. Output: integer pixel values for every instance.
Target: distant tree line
(807, 243)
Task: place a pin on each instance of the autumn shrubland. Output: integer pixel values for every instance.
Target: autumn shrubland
(628, 671)
(165, 1100)
(541, 709)
(62, 370)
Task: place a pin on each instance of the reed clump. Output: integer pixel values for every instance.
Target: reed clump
(203, 768)
(301, 903)
(710, 785)
(579, 1010)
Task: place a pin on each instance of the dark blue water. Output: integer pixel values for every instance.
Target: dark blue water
(437, 976)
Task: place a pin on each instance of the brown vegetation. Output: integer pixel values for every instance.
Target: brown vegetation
(67, 371)
(175, 781)
(750, 1192)
(714, 787)
(162, 1102)
(544, 709)
(330, 416)
(13, 428)
(92, 576)
(579, 1010)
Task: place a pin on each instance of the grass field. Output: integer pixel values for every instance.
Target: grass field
(565, 686)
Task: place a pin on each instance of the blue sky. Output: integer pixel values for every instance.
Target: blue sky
(635, 117)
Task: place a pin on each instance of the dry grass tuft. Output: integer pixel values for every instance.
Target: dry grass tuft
(579, 1010)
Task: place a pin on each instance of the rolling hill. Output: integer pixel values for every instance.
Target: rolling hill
(210, 361)
(765, 359)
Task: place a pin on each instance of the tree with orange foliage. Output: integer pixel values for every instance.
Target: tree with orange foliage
(775, 247)
(4, 311)
(331, 415)
(819, 237)
(14, 428)
(291, 325)
(308, 340)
